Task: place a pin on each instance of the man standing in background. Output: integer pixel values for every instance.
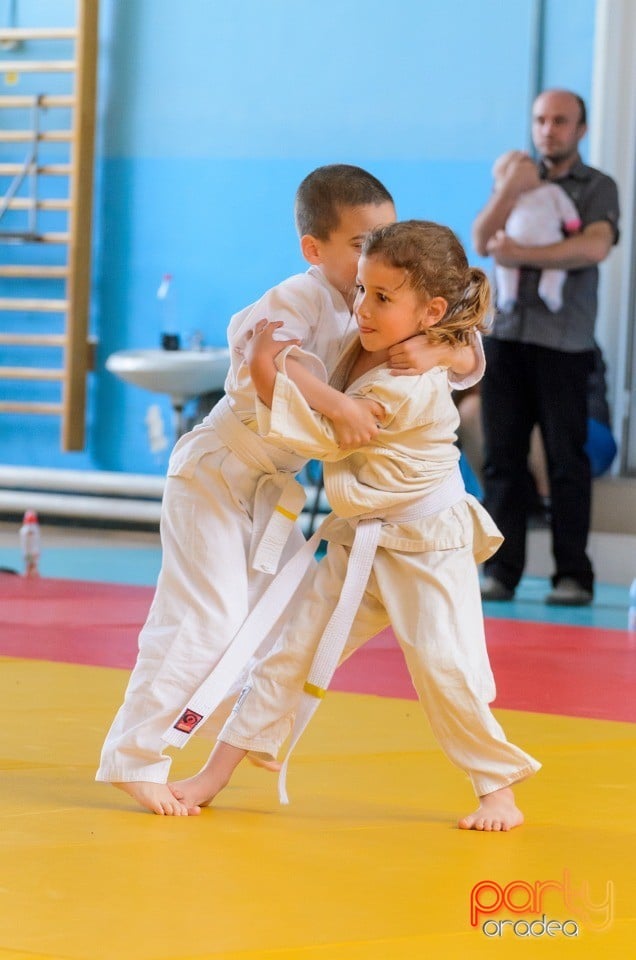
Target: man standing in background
(539, 360)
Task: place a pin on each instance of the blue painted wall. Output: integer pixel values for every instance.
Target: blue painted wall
(209, 116)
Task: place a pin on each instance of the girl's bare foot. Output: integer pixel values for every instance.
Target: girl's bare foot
(156, 797)
(272, 765)
(497, 811)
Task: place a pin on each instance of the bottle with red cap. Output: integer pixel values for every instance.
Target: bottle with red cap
(30, 543)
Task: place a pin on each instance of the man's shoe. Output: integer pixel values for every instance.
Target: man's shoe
(569, 593)
(492, 589)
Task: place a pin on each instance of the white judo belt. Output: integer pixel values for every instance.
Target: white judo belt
(272, 527)
(329, 651)
(272, 603)
(274, 516)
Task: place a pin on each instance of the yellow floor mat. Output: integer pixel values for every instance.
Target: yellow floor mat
(365, 864)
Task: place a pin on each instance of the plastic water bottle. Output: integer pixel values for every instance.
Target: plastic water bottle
(30, 543)
(631, 616)
(170, 339)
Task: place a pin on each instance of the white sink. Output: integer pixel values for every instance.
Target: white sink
(182, 374)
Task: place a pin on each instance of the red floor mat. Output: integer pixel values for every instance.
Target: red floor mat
(541, 667)
(71, 621)
(547, 668)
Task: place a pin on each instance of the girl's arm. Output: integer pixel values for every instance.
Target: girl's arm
(355, 421)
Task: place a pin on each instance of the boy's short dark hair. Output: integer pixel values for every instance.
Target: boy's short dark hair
(326, 190)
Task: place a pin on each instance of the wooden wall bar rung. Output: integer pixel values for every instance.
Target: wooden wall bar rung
(53, 238)
(33, 339)
(37, 66)
(47, 100)
(33, 305)
(49, 169)
(26, 136)
(30, 373)
(18, 236)
(38, 33)
(25, 203)
(35, 272)
(16, 406)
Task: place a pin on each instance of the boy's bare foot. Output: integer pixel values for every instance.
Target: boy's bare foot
(497, 811)
(199, 791)
(156, 797)
(194, 792)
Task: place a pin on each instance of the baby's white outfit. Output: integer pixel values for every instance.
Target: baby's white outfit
(540, 216)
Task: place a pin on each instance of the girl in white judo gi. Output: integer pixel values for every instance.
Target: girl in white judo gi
(231, 497)
(426, 534)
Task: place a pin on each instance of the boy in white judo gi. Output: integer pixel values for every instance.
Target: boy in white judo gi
(404, 537)
(543, 213)
(231, 497)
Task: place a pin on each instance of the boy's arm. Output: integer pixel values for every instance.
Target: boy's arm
(355, 421)
(414, 356)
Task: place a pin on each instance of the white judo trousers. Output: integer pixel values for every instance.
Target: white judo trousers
(206, 587)
(432, 601)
